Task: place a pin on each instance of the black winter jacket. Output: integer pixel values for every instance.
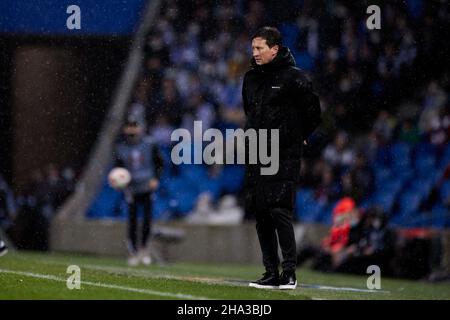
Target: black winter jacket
(278, 95)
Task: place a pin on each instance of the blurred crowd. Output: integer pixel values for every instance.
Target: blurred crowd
(377, 87)
(25, 215)
(361, 238)
(381, 91)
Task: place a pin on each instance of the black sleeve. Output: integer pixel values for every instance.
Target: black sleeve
(244, 97)
(158, 162)
(312, 114)
(309, 115)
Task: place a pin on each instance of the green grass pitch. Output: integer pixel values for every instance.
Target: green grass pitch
(26, 275)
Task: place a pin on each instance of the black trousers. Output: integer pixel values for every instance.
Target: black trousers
(134, 200)
(273, 205)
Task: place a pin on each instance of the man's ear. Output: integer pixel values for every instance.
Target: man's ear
(275, 49)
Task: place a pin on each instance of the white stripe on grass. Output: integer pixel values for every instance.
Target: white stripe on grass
(330, 288)
(153, 274)
(109, 286)
(158, 275)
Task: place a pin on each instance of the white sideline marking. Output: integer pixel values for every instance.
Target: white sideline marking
(152, 274)
(104, 285)
(321, 287)
(145, 273)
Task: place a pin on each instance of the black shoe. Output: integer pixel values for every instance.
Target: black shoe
(269, 280)
(288, 281)
(3, 248)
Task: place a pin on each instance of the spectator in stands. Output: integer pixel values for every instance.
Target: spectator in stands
(339, 153)
(408, 132)
(371, 242)
(384, 126)
(310, 177)
(55, 190)
(198, 109)
(349, 187)
(329, 255)
(170, 103)
(68, 183)
(162, 130)
(139, 106)
(34, 211)
(362, 178)
(198, 48)
(439, 127)
(328, 189)
(7, 211)
(139, 155)
(7, 204)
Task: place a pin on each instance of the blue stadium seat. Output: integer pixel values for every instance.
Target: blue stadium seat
(304, 60)
(193, 172)
(309, 211)
(213, 186)
(385, 200)
(417, 220)
(383, 156)
(392, 186)
(108, 203)
(425, 164)
(290, 32)
(405, 174)
(410, 201)
(400, 155)
(425, 148)
(444, 192)
(182, 194)
(422, 186)
(326, 214)
(232, 178)
(440, 216)
(381, 175)
(161, 207)
(183, 201)
(303, 196)
(403, 219)
(445, 157)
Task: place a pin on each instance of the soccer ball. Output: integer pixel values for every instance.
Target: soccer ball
(119, 178)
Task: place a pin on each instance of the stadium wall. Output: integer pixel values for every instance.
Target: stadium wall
(202, 243)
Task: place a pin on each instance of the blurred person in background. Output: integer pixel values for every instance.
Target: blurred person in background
(34, 212)
(339, 153)
(328, 189)
(140, 156)
(329, 254)
(7, 205)
(3, 248)
(7, 211)
(371, 242)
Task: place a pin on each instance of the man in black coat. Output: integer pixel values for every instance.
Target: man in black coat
(277, 95)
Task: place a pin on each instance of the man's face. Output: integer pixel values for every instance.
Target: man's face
(261, 51)
(133, 133)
